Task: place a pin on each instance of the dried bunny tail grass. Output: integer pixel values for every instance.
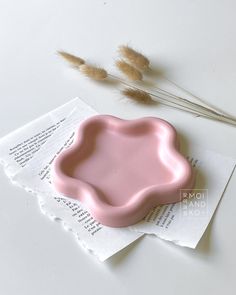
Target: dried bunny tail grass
(138, 95)
(93, 72)
(72, 59)
(135, 58)
(131, 72)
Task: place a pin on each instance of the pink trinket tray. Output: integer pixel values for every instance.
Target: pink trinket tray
(121, 169)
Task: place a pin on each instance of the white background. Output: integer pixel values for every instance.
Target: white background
(193, 43)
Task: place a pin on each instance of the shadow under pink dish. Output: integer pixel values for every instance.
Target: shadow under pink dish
(120, 169)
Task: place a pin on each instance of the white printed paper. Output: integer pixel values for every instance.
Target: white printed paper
(27, 155)
(182, 223)
(18, 147)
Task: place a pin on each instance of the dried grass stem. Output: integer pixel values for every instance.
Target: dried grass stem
(93, 72)
(129, 71)
(134, 57)
(72, 59)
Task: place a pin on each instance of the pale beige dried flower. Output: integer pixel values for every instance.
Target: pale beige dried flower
(135, 58)
(72, 59)
(138, 95)
(93, 72)
(131, 72)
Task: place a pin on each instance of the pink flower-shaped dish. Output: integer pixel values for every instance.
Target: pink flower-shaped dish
(120, 169)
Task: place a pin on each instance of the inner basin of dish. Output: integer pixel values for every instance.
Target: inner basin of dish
(118, 164)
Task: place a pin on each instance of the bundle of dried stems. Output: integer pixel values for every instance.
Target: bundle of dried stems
(131, 64)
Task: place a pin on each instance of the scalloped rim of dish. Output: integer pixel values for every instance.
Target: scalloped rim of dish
(141, 203)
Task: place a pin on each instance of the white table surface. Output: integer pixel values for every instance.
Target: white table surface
(194, 44)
